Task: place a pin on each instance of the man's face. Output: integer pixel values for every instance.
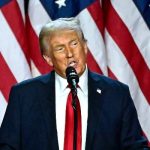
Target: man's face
(66, 49)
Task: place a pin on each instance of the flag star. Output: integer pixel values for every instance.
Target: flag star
(60, 3)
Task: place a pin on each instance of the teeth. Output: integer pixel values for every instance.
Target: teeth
(71, 64)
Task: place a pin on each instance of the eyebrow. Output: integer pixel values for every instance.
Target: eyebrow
(74, 40)
(60, 44)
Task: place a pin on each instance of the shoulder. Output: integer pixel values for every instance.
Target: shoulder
(31, 90)
(33, 83)
(113, 91)
(107, 83)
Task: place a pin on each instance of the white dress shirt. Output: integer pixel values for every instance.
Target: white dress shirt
(61, 99)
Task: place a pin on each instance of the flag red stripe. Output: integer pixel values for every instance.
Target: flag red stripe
(35, 54)
(146, 137)
(126, 43)
(11, 11)
(7, 79)
(97, 14)
(92, 64)
(111, 74)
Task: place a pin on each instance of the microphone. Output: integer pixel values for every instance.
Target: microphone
(72, 77)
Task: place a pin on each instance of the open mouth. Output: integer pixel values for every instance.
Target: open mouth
(72, 64)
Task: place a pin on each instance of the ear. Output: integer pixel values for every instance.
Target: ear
(48, 60)
(85, 47)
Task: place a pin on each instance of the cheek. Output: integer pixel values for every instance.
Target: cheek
(59, 56)
(83, 56)
(59, 60)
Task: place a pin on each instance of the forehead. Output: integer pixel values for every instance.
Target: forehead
(59, 37)
(63, 34)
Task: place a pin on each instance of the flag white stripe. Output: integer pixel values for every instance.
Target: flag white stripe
(122, 70)
(3, 105)
(12, 52)
(100, 2)
(35, 11)
(96, 46)
(133, 20)
(34, 70)
(22, 8)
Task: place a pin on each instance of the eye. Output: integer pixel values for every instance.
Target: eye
(74, 43)
(59, 48)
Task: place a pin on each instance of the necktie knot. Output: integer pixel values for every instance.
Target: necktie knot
(74, 96)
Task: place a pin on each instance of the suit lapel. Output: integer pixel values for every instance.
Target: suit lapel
(95, 91)
(49, 113)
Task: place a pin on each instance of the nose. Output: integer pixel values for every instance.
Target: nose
(69, 52)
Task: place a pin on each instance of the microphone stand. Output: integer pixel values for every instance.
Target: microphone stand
(74, 105)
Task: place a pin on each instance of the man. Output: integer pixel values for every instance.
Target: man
(35, 116)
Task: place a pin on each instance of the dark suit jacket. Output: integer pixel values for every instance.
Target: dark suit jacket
(30, 122)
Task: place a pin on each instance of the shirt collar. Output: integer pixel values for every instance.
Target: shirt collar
(83, 82)
(62, 83)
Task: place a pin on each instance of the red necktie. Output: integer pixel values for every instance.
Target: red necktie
(69, 127)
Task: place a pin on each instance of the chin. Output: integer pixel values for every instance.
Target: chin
(80, 72)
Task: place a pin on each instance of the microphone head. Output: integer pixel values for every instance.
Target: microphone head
(71, 75)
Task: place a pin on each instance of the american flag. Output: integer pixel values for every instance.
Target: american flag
(118, 35)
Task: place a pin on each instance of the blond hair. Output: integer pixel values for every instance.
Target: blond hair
(59, 24)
